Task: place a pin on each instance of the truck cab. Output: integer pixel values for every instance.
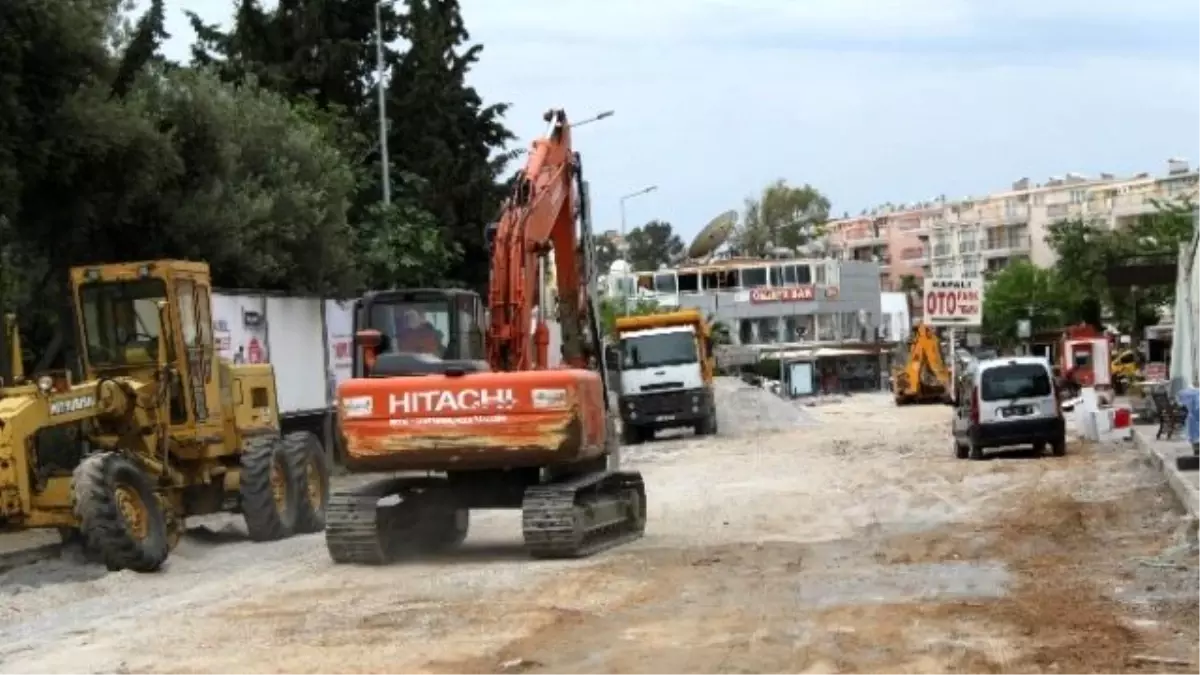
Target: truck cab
(665, 369)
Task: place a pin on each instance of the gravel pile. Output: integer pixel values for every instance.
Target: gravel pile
(746, 409)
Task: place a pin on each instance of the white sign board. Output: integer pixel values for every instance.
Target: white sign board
(954, 302)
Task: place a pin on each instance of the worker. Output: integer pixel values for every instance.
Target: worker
(417, 335)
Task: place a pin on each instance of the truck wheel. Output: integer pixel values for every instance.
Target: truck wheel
(119, 515)
(1058, 448)
(706, 426)
(974, 451)
(270, 495)
(309, 468)
(631, 435)
(960, 450)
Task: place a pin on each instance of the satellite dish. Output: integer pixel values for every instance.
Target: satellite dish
(713, 235)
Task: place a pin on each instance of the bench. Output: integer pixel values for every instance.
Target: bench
(1171, 415)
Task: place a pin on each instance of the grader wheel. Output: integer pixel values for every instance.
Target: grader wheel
(270, 493)
(120, 516)
(175, 523)
(310, 468)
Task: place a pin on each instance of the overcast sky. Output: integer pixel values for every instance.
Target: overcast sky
(868, 100)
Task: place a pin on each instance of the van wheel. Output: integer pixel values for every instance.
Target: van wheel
(974, 452)
(1059, 447)
(1039, 447)
(960, 450)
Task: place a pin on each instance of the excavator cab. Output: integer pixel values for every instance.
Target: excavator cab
(418, 332)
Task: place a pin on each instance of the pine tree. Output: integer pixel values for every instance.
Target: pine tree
(443, 132)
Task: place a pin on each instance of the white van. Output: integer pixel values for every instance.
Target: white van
(1008, 401)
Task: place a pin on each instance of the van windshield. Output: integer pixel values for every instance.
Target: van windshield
(1022, 380)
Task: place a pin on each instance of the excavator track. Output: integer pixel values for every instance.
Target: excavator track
(570, 518)
(583, 515)
(351, 529)
(360, 531)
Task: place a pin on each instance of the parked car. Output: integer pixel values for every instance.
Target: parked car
(1006, 402)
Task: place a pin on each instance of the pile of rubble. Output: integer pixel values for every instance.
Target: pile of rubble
(747, 409)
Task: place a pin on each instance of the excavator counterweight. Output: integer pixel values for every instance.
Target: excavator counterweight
(465, 392)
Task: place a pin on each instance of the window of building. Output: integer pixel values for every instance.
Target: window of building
(776, 275)
(664, 282)
(720, 280)
(689, 282)
(754, 277)
(820, 274)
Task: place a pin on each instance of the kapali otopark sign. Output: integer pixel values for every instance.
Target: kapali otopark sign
(954, 302)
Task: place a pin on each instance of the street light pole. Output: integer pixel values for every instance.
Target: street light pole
(384, 159)
(624, 243)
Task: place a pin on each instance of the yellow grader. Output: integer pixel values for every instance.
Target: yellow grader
(159, 430)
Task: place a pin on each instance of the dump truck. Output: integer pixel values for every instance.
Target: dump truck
(665, 363)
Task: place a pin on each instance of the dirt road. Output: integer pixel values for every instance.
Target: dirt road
(852, 542)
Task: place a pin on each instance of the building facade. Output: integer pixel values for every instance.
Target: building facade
(769, 301)
(971, 236)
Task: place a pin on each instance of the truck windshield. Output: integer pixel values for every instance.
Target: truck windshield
(420, 327)
(120, 321)
(655, 351)
(1025, 380)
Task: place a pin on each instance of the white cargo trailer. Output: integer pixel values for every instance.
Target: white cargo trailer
(306, 338)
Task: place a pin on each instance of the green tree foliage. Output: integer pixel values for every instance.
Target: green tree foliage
(611, 308)
(1086, 250)
(108, 153)
(653, 244)
(445, 145)
(782, 216)
(1023, 291)
(719, 330)
(606, 253)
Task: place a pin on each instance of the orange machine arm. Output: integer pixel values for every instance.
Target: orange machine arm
(539, 216)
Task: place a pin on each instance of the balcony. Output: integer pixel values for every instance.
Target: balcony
(1001, 247)
(1015, 214)
(868, 238)
(1132, 204)
(1058, 210)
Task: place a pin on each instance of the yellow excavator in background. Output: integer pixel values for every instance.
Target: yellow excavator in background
(924, 377)
(159, 430)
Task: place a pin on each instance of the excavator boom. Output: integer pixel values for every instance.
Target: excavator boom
(539, 216)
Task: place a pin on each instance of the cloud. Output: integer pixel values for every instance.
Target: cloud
(869, 100)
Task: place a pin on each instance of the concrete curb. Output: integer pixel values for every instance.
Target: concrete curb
(1188, 497)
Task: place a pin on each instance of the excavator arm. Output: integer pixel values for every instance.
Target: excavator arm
(924, 375)
(539, 218)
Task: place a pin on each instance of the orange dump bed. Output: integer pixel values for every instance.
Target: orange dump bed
(477, 420)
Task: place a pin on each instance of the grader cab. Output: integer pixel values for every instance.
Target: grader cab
(161, 427)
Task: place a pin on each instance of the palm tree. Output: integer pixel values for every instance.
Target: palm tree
(912, 288)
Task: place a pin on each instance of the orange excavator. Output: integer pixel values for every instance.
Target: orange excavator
(480, 416)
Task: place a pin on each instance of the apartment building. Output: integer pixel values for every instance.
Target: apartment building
(971, 236)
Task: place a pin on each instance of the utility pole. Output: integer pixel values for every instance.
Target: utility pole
(381, 88)
(625, 243)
